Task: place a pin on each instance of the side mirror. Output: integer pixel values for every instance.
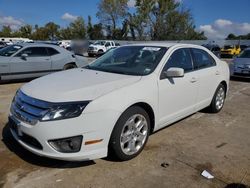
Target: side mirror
(174, 72)
(24, 56)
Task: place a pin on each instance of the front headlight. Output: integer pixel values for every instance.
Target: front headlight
(95, 48)
(64, 111)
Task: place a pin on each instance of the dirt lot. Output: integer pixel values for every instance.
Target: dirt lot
(219, 143)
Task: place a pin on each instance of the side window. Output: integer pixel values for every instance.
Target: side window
(107, 44)
(181, 58)
(202, 59)
(52, 51)
(34, 52)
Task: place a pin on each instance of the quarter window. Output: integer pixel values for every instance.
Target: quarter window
(52, 51)
(181, 58)
(202, 59)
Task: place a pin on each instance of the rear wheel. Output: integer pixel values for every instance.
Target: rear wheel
(69, 66)
(218, 99)
(130, 134)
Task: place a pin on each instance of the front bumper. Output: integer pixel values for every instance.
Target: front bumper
(242, 70)
(87, 125)
(94, 52)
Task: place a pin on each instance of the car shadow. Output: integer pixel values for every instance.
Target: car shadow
(240, 79)
(29, 157)
(3, 82)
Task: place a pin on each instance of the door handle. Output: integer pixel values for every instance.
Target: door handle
(47, 59)
(193, 80)
(217, 73)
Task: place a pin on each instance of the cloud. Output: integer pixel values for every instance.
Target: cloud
(221, 28)
(69, 17)
(13, 23)
(131, 3)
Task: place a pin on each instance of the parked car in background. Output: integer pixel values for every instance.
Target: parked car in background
(29, 60)
(2, 44)
(213, 48)
(243, 47)
(242, 64)
(230, 51)
(112, 105)
(64, 43)
(100, 47)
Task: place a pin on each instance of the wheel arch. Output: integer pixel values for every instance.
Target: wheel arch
(149, 111)
(70, 63)
(224, 83)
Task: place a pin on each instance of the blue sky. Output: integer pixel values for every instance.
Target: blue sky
(215, 17)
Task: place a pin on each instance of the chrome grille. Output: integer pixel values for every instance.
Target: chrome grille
(28, 109)
(91, 48)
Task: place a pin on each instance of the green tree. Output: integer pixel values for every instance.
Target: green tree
(78, 28)
(52, 30)
(110, 12)
(164, 20)
(6, 31)
(25, 31)
(40, 33)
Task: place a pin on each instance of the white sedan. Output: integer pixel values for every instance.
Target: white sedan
(112, 105)
(29, 60)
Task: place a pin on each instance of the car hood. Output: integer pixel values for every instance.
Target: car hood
(241, 61)
(76, 85)
(95, 45)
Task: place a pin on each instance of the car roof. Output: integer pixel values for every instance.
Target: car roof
(165, 44)
(36, 45)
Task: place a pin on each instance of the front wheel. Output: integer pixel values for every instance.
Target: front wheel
(130, 134)
(218, 99)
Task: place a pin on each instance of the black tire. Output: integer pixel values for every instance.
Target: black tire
(69, 66)
(213, 108)
(90, 55)
(115, 148)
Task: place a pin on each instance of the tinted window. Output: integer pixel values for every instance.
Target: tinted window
(52, 51)
(181, 59)
(245, 54)
(202, 59)
(9, 50)
(216, 49)
(34, 52)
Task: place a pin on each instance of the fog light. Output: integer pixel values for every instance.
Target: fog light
(67, 145)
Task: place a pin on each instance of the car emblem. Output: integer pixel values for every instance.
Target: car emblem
(22, 107)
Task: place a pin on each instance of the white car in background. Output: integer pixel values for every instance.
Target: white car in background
(112, 105)
(28, 60)
(242, 64)
(100, 47)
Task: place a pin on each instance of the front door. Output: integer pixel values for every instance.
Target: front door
(177, 96)
(36, 63)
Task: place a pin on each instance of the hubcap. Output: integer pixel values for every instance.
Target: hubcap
(134, 134)
(220, 97)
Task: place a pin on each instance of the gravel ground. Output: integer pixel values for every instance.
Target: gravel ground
(218, 143)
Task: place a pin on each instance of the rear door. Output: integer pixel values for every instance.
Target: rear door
(37, 63)
(208, 74)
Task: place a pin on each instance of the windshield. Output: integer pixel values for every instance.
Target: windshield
(9, 50)
(130, 60)
(99, 43)
(228, 47)
(245, 54)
